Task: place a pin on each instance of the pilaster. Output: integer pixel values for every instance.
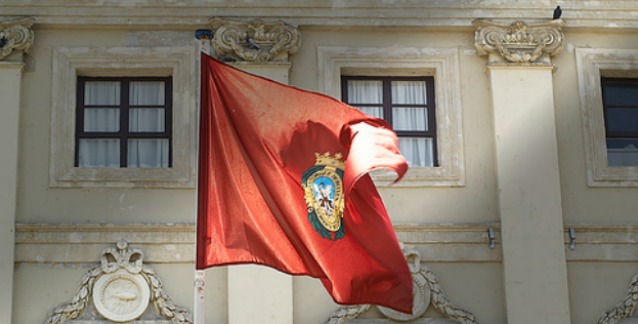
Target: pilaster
(258, 294)
(16, 39)
(520, 70)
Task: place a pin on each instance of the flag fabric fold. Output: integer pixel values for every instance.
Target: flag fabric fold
(283, 182)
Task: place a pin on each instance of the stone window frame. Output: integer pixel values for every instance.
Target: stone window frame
(591, 64)
(71, 62)
(443, 65)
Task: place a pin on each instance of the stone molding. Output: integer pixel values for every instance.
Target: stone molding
(175, 243)
(518, 42)
(254, 41)
(601, 242)
(16, 35)
(427, 291)
(591, 65)
(76, 243)
(179, 62)
(192, 14)
(443, 64)
(121, 288)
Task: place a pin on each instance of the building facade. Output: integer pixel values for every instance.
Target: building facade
(520, 125)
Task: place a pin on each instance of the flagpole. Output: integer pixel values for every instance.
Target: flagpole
(199, 306)
(203, 37)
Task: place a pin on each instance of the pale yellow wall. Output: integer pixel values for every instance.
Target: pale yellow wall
(478, 287)
(596, 287)
(427, 205)
(582, 204)
(37, 202)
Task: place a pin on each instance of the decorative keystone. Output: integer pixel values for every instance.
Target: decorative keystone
(15, 35)
(519, 42)
(254, 41)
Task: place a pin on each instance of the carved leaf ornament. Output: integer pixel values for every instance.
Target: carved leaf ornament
(121, 289)
(255, 41)
(519, 42)
(427, 291)
(15, 35)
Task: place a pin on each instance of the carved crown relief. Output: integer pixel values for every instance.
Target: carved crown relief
(15, 35)
(255, 41)
(427, 291)
(121, 289)
(519, 42)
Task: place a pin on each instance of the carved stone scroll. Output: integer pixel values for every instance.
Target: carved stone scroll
(255, 41)
(121, 289)
(15, 35)
(427, 291)
(519, 42)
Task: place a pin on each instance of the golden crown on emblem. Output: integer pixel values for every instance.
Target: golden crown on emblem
(328, 160)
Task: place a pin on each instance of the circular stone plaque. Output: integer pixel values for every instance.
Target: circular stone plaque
(422, 295)
(121, 296)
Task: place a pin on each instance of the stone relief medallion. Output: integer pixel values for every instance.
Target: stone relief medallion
(427, 291)
(121, 296)
(421, 294)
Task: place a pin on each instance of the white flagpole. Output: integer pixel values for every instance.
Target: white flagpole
(199, 306)
(199, 284)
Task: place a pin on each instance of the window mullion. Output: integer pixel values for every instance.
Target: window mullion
(79, 121)
(387, 101)
(168, 118)
(124, 127)
(432, 118)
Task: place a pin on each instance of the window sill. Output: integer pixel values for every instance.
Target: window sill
(420, 177)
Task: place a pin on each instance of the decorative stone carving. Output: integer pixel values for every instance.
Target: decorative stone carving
(255, 41)
(427, 290)
(519, 42)
(121, 288)
(625, 308)
(15, 35)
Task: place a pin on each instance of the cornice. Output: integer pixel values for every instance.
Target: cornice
(615, 15)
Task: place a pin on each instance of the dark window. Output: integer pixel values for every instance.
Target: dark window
(123, 122)
(406, 103)
(620, 105)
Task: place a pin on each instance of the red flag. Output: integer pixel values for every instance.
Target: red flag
(283, 182)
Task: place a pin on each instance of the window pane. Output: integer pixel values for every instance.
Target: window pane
(418, 151)
(148, 153)
(365, 91)
(410, 119)
(624, 95)
(146, 119)
(408, 92)
(102, 93)
(622, 152)
(372, 111)
(622, 119)
(101, 119)
(100, 153)
(148, 93)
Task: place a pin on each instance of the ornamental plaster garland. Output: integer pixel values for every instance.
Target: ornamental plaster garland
(16, 35)
(625, 308)
(114, 261)
(427, 291)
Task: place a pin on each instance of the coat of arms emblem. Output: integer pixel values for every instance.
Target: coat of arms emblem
(323, 192)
